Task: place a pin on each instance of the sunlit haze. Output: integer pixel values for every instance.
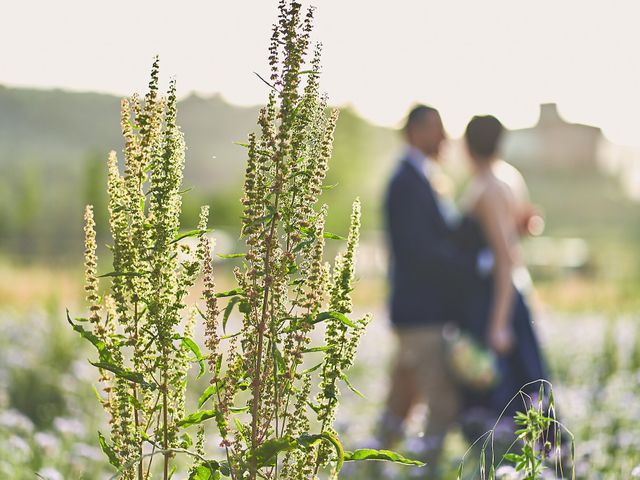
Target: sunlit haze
(464, 57)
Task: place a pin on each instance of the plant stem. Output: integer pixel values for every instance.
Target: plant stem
(256, 382)
(226, 448)
(165, 408)
(154, 444)
(135, 390)
(329, 402)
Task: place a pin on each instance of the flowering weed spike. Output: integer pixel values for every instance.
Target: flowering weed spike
(144, 344)
(284, 288)
(90, 267)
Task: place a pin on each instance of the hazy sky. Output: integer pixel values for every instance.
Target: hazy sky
(464, 57)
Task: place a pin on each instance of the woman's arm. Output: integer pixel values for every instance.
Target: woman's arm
(493, 212)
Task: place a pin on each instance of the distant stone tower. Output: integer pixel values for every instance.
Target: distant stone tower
(553, 143)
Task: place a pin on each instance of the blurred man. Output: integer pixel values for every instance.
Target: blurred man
(426, 271)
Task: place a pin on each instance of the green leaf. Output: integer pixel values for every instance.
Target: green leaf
(338, 446)
(511, 457)
(227, 311)
(351, 387)
(100, 345)
(97, 394)
(316, 349)
(209, 470)
(108, 451)
(244, 307)
(122, 274)
(265, 454)
(240, 428)
(192, 233)
(173, 470)
(239, 409)
(521, 416)
(385, 455)
(218, 365)
(541, 393)
(209, 392)
(127, 374)
(196, 418)
(231, 335)
(309, 232)
(332, 236)
(230, 293)
(258, 221)
(335, 316)
(315, 408)
(185, 440)
(191, 345)
(277, 355)
(232, 255)
(302, 245)
(308, 440)
(134, 401)
(312, 369)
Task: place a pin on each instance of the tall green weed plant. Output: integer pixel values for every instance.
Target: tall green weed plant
(139, 328)
(274, 412)
(541, 443)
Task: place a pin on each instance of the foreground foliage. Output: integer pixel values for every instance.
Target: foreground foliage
(260, 396)
(143, 341)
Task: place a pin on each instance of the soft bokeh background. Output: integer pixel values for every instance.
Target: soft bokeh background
(563, 77)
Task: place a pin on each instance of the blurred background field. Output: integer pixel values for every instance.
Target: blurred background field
(54, 144)
(586, 268)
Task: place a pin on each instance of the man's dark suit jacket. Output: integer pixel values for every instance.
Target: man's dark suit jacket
(428, 272)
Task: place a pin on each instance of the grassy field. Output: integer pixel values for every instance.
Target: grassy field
(49, 415)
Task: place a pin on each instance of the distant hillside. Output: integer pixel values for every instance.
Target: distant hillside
(53, 148)
(54, 145)
(56, 130)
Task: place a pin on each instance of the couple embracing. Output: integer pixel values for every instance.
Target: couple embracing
(459, 269)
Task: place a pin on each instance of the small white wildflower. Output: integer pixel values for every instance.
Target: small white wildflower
(69, 426)
(50, 473)
(81, 370)
(47, 442)
(87, 451)
(14, 420)
(506, 472)
(19, 445)
(416, 446)
(635, 473)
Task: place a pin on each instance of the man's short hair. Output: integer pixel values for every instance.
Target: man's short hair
(417, 115)
(483, 135)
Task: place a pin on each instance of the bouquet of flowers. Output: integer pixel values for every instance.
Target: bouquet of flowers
(472, 364)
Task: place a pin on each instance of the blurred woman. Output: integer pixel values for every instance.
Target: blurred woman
(496, 213)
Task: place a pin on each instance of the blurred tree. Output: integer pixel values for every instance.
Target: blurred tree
(7, 227)
(95, 177)
(28, 206)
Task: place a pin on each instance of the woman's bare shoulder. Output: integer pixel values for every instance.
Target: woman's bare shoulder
(492, 192)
